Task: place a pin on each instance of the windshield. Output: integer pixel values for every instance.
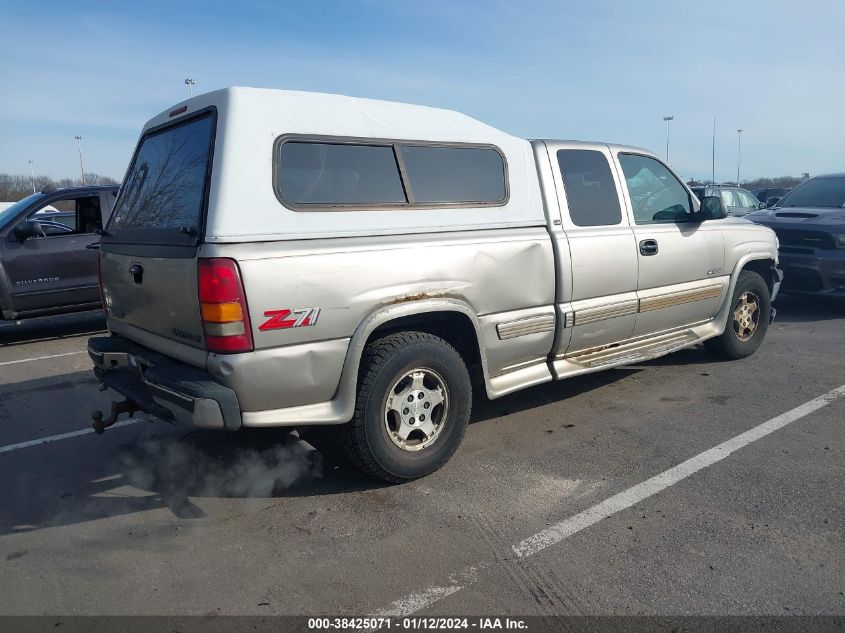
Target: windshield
(817, 192)
(163, 198)
(10, 212)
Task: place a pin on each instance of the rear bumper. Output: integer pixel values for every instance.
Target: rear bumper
(161, 387)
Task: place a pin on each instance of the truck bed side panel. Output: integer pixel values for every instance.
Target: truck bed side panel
(506, 276)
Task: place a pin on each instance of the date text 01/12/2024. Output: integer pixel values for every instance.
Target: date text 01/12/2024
(416, 623)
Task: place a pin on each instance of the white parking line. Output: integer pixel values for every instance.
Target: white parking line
(566, 528)
(28, 360)
(63, 436)
(420, 600)
(632, 496)
(417, 601)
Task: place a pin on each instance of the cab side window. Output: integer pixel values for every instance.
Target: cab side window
(69, 217)
(728, 198)
(590, 191)
(656, 195)
(746, 199)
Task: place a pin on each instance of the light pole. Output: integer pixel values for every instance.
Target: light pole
(713, 157)
(190, 83)
(738, 153)
(81, 161)
(32, 175)
(667, 119)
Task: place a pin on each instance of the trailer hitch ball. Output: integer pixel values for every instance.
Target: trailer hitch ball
(100, 425)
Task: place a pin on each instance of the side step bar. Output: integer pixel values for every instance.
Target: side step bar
(632, 352)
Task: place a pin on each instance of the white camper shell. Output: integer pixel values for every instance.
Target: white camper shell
(252, 123)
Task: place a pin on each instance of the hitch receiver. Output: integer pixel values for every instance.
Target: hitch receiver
(100, 425)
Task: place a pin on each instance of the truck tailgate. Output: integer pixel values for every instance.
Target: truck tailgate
(155, 294)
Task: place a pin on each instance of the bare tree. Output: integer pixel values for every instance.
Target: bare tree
(14, 187)
(769, 183)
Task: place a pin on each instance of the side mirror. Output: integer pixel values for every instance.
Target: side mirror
(712, 208)
(28, 229)
(772, 201)
(761, 205)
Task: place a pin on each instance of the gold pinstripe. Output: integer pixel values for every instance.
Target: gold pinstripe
(634, 306)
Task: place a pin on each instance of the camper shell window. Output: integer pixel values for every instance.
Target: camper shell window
(165, 193)
(314, 173)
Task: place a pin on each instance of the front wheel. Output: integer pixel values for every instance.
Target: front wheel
(412, 409)
(748, 320)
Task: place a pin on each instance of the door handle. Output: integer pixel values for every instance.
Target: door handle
(648, 247)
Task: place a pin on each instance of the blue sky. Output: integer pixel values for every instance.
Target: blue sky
(575, 70)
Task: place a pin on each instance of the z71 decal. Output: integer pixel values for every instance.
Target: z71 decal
(285, 319)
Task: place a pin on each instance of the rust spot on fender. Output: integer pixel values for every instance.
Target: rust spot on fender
(416, 296)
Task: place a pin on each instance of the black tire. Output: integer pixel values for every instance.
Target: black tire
(367, 437)
(735, 343)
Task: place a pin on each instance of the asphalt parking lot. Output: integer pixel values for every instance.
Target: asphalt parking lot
(155, 519)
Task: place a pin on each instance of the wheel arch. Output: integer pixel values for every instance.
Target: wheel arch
(762, 267)
(760, 262)
(453, 326)
(453, 320)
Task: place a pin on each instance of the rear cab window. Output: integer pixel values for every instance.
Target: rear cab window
(590, 189)
(164, 196)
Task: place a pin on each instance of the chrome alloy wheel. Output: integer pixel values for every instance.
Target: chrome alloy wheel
(415, 409)
(746, 316)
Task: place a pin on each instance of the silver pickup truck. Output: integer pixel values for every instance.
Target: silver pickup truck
(283, 258)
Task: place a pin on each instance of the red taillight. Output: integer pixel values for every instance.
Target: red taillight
(225, 318)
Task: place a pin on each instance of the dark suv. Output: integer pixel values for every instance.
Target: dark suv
(771, 195)
(48, 264)
(736, 200)
(810, 224)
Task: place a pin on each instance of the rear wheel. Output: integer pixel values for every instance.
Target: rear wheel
(412, 408)
(748, 320)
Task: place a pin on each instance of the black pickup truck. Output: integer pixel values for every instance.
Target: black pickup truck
(47, 262)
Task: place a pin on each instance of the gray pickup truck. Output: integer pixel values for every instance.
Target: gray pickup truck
(284, 258)
(48, 259)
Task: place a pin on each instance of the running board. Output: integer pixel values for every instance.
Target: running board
(633, 352)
